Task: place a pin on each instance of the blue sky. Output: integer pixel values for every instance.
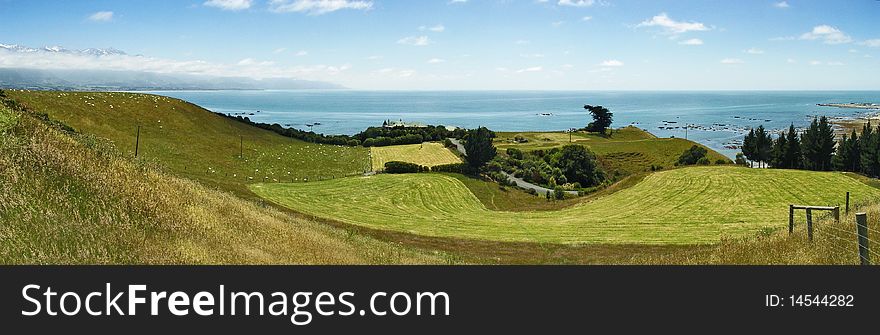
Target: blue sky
(474, 44)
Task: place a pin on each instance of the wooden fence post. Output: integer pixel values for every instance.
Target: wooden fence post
(862, 228)
(847, 203)
(836, 213)
(137, 141)
(810, 224)
(790, 219)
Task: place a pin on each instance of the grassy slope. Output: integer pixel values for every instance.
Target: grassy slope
(682, 206)
(73, 199)
(629, 149)
(426, 154)
(194, 142)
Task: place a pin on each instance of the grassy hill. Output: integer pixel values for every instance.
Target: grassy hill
(425, 154)
(629, 149)
(71, 198)
(695, 205)
(193, 142)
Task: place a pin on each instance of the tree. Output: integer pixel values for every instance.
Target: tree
(763, 144)
(602, 119)
(847, 156)
(740, 159)
(793, 158)
(868, 151)
(692, 155)
(479, 148)
(811, 147)
(748, 148)
(778, 152)
(825, 142)
(578, 165)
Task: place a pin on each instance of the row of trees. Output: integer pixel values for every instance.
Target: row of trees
(860, 153)
(812, 149)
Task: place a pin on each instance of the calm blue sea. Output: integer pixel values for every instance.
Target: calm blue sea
(718, 118)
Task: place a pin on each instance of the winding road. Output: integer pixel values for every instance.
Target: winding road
(518, 181)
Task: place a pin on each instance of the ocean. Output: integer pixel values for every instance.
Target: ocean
(717, 119)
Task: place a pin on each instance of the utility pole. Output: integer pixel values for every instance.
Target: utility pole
(137, 141)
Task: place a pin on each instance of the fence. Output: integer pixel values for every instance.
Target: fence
(844, 241)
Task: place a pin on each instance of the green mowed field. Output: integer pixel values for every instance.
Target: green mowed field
(193, 142)
(629, 149)
(426, 154)
(697, 205)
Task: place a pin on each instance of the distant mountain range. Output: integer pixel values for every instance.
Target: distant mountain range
(19, 77)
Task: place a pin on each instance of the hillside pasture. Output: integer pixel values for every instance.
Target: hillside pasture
(697, 205)
(193, 142)
(425, 154)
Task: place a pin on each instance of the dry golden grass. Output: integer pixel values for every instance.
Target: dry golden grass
(73, 199)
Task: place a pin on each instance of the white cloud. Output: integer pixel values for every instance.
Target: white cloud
(815, 62)
(437, 29)
(301, 53)
(873, 43)
(415, 40)
(781, 4)
(531, 69)
(451, 2)
(732, 61)
(230, 4)
(586, 18)
(317, 7)
(828, 35)
(693, 41)
(103, 16)
(576, 3)
(395, 73)
(436, 61)
(557, 23)
(791, 61)
(755, 51)
(611, 63)
(671, 26)
(279, 50)
(248, 67)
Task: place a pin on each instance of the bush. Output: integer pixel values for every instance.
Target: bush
(693, 156)
(559, 192)
(403, 167)
(703, 161)
(515, 153)
(454, 168)
(720, 162)
(448, 143)
(740, 159)
(531, 191)
(353, 143)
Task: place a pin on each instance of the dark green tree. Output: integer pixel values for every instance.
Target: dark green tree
(692, 155)
(763, 144)
(778, 152)
(479, 148)
(847, 156)
(868, 151)
(793, 155)
(825, 144)
(811, 147)
(578, 165)
(748, 147)
(602, 119)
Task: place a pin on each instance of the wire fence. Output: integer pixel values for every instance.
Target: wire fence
(846, 238)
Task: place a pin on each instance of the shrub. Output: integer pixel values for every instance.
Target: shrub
(515, 153)
(353, 143)
(448, 143)
(720, 162)
(740, 159)
(559, 192)
(693, 155)
(454, 168)
(703, 161)
(531, 191)
(402, 167)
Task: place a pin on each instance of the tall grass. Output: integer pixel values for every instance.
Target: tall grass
(68, 198)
